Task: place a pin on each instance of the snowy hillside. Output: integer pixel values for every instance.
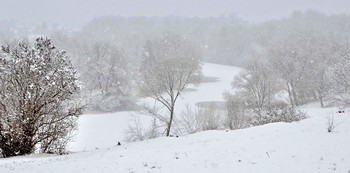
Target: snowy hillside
(296, 147)
(304, 146)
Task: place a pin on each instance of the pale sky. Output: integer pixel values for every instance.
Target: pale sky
(78, 12)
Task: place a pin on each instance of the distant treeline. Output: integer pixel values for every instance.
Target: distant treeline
(226, 40)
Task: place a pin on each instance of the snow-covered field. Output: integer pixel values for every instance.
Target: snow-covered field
(304, 146)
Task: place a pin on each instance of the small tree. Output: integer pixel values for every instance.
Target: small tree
(38, 93)
(137, 132)
(330, 123)
(168, 66)
(235, 111)
(257, 87)
(291, 59)
(339, 74)
(316, 82)
(190, 120)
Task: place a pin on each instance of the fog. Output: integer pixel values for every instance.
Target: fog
(76, 13)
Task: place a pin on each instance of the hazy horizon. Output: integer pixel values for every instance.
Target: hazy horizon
(78, 12)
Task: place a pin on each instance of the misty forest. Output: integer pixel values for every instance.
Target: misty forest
(177, 93)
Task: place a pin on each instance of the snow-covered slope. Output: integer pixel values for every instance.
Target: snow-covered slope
(304, 146)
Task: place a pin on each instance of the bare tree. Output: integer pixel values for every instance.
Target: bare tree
(257, 85)
(190, 120)
(325, 54)
(106, 75)
(168, 66)
(38, 107)
(339, 74)
(290, 59)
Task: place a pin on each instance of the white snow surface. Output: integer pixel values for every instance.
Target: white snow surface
(303, 146)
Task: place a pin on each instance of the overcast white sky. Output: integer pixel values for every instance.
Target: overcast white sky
(77, 12)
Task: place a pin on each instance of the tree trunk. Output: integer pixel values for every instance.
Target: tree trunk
(321, 101)
(296, 102)
(170, 121)
(26, 145)
(168, 130)
(290, 94)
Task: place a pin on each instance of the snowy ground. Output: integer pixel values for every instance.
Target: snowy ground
(304, 146)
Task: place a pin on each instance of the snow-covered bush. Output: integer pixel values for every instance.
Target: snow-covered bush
(136, 131)
(189, 121)
(38, 106)
(210, 118)
(279, 113)
(109, 102)
(240, 114)
(193, 120)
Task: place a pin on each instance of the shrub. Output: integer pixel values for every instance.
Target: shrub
(280, 113)
(38, 98)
